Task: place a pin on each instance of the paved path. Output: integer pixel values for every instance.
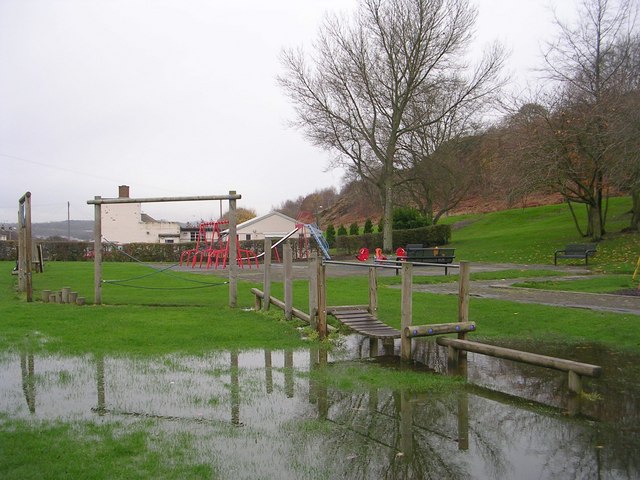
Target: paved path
(498, 289)
(504, 290)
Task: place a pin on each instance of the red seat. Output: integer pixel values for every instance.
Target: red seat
(380, 255)
(363, 254)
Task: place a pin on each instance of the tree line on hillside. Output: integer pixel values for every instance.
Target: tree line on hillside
(389, 93)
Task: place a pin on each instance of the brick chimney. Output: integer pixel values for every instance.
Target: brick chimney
(123, 191)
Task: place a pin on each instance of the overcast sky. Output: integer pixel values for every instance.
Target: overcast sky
(177, 98)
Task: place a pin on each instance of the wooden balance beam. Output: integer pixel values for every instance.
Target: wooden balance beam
(438, 329)
(575, 369)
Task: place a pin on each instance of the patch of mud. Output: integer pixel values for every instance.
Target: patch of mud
(630, 292)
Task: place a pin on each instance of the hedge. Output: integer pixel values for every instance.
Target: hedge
(431, 236)
(144, 252)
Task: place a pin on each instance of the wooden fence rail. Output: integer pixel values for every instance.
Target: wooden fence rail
(575, 369)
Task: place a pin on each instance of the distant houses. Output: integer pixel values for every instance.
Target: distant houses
(124, 223)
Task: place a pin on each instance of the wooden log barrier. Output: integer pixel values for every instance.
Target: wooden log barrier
(574, 369)
(438, 329)
(280, 304)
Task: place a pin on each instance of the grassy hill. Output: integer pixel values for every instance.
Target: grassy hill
(531, 235)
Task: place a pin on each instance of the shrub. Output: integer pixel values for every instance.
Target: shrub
(354, 229)
(330, 235)
(429, 236)
(368, 226)
(342, 230)
(405, 218)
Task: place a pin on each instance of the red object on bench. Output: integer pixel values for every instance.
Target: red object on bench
(380, 255)
(363, 254)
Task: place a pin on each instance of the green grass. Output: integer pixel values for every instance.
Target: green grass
(131, 326)
(37, 450)
(531, 235)
(156, 322)
(591, 284)
(362, 376)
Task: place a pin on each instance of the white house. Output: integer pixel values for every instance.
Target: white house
(271, 225)
(125, 223)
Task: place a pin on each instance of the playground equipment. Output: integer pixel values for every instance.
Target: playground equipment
(363, 319)
(232, 197)
(307, 231)
(205, 244)
(25, 246)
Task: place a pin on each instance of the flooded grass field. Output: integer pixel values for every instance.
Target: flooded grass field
(302, 415)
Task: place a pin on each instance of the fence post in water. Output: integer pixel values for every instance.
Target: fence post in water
(464, 278)
(266, 284)
(575, 382)
(233, 251)
(97, 251)
(406, 310)
(463, 293)
(313, 290)
(288, 290)
(322, 300)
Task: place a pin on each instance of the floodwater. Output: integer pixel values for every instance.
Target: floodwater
(260, 414)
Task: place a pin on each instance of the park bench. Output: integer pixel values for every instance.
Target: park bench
(576, 250)
(416, 253)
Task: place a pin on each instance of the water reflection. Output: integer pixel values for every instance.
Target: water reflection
(262, 411)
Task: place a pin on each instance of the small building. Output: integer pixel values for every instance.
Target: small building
(272, 225)
(125, 223)
(8, 233)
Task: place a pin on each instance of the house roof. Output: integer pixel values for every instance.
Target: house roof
(263, 217)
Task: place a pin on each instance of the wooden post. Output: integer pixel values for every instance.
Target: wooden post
(233, 252)
(288, 374)
(266, 283)
(97, 252)
(463, 421)
(373, 292)
(575, 382)
(453, 359)
(268, 371)
(463, 309)
(287, 255)
(463, 293)
(100, 384)
(374, 345)
(25, 246)
(322, 301)
(313, 290)
(28, 248)
(235, 389)
(406, 426)
(406, 309)
(65, 294)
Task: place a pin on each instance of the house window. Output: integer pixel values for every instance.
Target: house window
(248, 236)
(193, 236)
(168, 240)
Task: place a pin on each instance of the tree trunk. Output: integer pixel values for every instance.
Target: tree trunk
(387, 232)
(635, 210)
(595, 222)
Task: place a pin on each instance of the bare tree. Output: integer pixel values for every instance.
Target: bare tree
(589, 61)
(625, 169)
(374, 80)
